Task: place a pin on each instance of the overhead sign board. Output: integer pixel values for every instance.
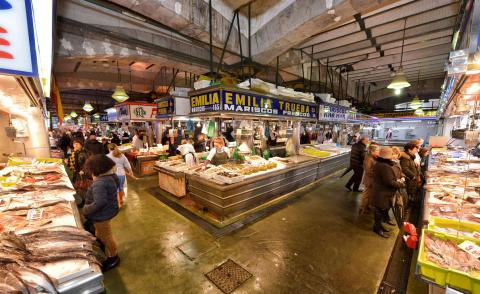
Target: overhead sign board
(333, 112)
(136, 111)
(240, 102)
(405, 114)
(165, 107)
(17, 38)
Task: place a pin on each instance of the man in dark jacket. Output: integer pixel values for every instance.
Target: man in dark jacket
(93, 147)
(410, 170)
(64, 144)
(357, 156)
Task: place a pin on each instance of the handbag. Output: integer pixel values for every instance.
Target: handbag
(82, 183)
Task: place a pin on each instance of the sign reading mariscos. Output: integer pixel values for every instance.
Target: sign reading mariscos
(248, 103)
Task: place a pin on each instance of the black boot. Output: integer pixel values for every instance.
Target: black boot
(110, 263)
(381, 233)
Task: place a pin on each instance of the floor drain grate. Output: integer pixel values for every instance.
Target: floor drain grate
(228, 276)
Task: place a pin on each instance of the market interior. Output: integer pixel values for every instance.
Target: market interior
(224, 146)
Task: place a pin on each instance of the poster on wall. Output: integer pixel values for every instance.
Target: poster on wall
(17, 39)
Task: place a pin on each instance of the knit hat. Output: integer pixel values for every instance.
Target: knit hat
(386, 153)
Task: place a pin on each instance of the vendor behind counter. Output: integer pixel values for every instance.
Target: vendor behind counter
(219, 154)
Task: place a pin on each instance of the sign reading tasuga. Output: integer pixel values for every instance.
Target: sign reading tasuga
(257, 104)
(165, 107)
(136, 111)
(17, 38)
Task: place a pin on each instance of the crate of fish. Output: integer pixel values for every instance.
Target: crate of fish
(456, 228)
(447, 260)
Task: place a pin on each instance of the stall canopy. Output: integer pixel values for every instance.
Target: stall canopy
(220, 100)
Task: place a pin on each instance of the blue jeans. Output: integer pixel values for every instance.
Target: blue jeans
(121, 184)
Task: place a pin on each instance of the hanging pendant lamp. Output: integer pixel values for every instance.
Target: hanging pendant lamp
(73, 114)
(416, 103)
(87, 107)
(119, 94)
(400, 81)
(96, 115)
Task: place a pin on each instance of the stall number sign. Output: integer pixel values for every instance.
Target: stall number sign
(166, 107)
(207, 102)
(142, 112)
(17, 40)
(332, 113)
(256, 104)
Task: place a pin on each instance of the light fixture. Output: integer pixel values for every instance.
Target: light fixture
(67, 117)
(400, 81)
(87, 107)
(96, 115)
(398, 91)
(419, 112)
(73, 114)
(119, 94)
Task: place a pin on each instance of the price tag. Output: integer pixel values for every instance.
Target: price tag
(471, 248)
(34, 214)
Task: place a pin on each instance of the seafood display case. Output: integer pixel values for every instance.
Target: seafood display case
(450, 243)
(43, 245)
(231, 189)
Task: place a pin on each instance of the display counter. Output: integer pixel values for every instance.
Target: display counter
(142, 165)
(36, 197)
(452, 222)
(173, 182)
(228, 200)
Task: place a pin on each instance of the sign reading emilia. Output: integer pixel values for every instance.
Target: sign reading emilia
(238, 102)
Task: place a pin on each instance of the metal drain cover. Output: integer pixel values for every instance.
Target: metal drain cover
(228, 276)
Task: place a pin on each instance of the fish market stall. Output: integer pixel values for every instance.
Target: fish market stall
(142, 114)
(231, 189)
(43, 241)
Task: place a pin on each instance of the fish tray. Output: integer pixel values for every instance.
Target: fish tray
(458, 225)
(443, 276)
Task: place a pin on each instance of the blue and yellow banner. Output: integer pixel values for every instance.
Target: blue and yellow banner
(249, 103)
(165, 107)
(239, 102)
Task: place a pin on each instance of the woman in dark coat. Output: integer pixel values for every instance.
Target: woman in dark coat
(387, 180)
(101, 204)
(410, 170)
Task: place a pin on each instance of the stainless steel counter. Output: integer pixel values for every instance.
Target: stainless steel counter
(230, 200)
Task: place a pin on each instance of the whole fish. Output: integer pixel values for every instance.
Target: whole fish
(33, 277)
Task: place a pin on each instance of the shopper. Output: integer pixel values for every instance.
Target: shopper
(200, 144)
(386, 182)
(64, 143)
(115, 139)
(410, 170)
(105, 145)
(137, 141)
(219, 154)
(81, 181)
(368, 177)
(101, 204)
(423, 153)
(92, 146)
(123, 168)
(357, 156)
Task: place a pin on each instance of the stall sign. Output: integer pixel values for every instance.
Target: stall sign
(257, 104)
(136, 111)
(332, 112)
(165, 107)
(122, 112)
(207, 102)
(111, 115)
(17, 50)
(404, 114)
(103, 117)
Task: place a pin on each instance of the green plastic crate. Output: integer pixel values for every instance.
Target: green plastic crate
(464, 226)
(441, 276)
